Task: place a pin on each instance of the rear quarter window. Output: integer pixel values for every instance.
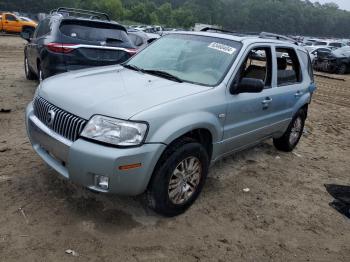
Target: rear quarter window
(94, 32)
(305, 58)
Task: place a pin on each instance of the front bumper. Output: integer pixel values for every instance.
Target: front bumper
(81, 161)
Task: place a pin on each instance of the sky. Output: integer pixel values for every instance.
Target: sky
(343, 4)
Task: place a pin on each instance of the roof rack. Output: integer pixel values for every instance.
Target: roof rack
(75, 11)
(206, 29)
(278, 37)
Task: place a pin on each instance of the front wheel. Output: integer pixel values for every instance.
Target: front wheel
(291, 137)
(178, 178)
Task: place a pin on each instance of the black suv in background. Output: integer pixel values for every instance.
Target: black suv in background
(70, 39)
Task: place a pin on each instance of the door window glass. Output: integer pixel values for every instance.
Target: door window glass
(43, 28)
(11, 18)
(257, 65)
(288, 66)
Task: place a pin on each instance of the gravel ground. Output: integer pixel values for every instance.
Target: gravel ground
(285, 216)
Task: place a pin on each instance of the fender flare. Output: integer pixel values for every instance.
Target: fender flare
(177, 127)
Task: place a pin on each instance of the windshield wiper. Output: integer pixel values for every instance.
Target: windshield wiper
(162, 74)
(133, 67)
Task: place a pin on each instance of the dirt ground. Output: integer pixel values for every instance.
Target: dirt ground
(285, 217)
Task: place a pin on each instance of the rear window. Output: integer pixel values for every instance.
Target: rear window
(94, 31)
(321, 43)
(336, 44)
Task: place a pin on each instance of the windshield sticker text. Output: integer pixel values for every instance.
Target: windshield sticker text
(223, 48)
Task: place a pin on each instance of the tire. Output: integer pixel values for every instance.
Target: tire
(342, 69)
(28, 72)
(28, 29)
(169, 193)
(292, 136)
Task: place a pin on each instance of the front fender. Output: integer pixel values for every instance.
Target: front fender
(176, 127)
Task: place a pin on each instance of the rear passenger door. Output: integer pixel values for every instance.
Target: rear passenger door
(249, 116)
(289, 86)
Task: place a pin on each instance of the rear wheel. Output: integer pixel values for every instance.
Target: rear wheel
(291, 137)
(178, 178)
(28, 72)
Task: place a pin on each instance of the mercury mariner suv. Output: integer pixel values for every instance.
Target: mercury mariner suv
(156, 123)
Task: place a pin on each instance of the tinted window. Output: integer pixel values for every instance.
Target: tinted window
(336, 44)
(43, 28)
(320, 43)
(305, 58)
(92, 31)
(257, 65)
(288, 67)
(11, 18)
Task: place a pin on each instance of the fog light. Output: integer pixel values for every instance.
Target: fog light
(102, 182)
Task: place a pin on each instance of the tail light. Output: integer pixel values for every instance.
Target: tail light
(131, 51)
(60, 48)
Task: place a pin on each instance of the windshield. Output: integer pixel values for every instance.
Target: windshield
(190, 58)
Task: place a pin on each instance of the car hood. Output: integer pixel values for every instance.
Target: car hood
(112, 91)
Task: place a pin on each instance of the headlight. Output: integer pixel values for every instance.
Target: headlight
(115, 131)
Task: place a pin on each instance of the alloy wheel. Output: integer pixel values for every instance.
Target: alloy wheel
(185, 180)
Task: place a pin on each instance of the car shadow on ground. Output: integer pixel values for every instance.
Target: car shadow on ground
(129, 212)
(341, 201)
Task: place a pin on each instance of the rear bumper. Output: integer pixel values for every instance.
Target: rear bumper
(81, 161)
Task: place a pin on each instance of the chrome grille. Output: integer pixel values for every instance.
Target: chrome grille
(58, 120)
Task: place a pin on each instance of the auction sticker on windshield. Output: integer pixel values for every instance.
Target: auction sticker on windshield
(222, 48)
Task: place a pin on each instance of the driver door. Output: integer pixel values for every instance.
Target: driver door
(250, 115)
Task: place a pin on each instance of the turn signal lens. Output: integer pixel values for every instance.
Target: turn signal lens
(132, 166)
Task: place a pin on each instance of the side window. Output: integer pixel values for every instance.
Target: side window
(257, 65)
(43, 28)
(305, 58)
(11, 18)
(136, 39)
(288, 66)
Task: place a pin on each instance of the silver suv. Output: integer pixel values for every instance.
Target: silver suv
(156, 123)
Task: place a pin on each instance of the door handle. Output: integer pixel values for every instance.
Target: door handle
(298, 94)
(266, 102)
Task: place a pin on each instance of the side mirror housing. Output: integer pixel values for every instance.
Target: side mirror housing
(247, 85)
(26, 35)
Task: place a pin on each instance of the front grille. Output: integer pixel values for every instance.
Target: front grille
(58, 120)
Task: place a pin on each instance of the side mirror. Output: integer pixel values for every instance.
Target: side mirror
(26, 35)
(248, 85)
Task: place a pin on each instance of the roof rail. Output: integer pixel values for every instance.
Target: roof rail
(72, 11)
(206, 29)
(278, 37)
